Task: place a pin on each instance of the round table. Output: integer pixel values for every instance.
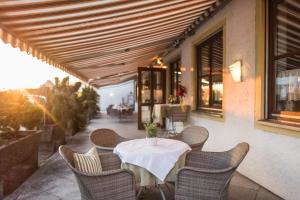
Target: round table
(152, 164)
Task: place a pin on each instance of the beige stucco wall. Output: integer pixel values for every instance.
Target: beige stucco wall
(274, 159)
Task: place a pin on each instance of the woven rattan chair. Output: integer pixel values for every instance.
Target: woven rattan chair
(106, 139)
(108, 109)
(207, 174)
(177, 114)
(195, 136)
(113, 183)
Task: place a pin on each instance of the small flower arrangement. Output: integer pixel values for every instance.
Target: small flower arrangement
(151, 130)
(171, 99)
(181, 91)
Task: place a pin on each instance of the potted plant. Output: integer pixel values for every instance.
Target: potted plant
(89, 99)
(181, 92)
(151, 133)
(66, 108)
(18, 147)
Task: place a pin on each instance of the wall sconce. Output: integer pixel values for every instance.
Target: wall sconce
(236, 71)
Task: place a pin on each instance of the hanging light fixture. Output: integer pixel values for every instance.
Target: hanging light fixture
(158, 62)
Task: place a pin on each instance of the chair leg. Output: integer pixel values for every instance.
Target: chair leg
(138, 196)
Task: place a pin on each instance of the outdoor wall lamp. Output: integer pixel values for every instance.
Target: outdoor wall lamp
(236, 71)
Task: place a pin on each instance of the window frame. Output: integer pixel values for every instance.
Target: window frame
(174, 65)
(270, 100)
(208, 41)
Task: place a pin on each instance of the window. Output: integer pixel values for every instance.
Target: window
(209, 74)
(283, 73)
(175, 76)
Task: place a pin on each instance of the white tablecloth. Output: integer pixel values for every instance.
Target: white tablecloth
(159, 160)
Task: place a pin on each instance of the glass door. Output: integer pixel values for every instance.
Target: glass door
(151, 90)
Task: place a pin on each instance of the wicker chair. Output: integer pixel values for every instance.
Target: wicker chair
(177, 114)
(195, 136)
(113, 183)
(108, 109)
(207, 174)
(106, 139)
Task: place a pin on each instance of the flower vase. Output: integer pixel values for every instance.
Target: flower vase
(151, 141)
(181, 100)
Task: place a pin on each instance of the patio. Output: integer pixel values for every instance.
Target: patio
(54, 181)
(234, 64)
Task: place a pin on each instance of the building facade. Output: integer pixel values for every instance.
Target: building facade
(273, 160)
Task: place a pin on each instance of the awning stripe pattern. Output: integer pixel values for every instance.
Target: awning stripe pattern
(101, 42)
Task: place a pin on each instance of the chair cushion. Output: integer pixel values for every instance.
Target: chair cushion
(89, 162)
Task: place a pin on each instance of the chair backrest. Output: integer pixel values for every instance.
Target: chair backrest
(108, 109)
(179, 113)
(237, 154)
(105, 138)
(114, 112)
(195, 136)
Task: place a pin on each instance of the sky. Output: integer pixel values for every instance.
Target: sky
(20, 70)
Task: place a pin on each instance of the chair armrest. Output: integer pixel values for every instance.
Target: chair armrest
(114, 184)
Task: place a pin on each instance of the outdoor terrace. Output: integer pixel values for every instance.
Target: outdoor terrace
(55, 181)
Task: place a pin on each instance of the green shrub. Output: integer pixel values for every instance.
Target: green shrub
(16, 111)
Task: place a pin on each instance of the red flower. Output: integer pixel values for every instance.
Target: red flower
(181, 91)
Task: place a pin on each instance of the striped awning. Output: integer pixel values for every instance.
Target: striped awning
(101, 42)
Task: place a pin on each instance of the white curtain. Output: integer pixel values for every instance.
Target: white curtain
(288, 85)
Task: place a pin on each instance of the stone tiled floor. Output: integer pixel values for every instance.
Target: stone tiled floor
(54, 181)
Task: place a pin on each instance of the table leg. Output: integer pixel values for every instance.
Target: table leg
(161, 192)
(140, 192)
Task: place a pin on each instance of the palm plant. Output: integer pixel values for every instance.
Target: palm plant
(66, 107)
(89, 98)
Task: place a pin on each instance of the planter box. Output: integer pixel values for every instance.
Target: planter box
(18, 161)
(53, 136)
